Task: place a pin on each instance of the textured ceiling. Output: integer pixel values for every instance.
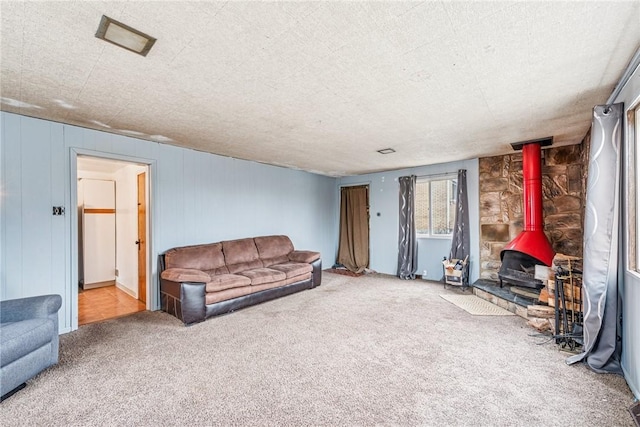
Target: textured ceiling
(320, 86)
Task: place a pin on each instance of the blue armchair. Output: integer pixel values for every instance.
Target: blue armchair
(28, 339)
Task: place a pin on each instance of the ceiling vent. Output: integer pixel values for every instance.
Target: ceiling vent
(124, 36)
(386, 151)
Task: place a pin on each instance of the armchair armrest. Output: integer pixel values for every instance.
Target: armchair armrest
(16, 310)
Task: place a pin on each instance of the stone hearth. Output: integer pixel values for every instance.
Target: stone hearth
(503, 297)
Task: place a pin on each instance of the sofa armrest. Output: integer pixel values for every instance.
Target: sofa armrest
(185, 275)
(316, 275)
(44, 306)
(304, 256)
(184, 300)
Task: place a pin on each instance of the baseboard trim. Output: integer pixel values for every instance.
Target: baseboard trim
(126, 290)
(98, 284)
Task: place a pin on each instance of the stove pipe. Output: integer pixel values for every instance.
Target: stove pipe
(532, 241)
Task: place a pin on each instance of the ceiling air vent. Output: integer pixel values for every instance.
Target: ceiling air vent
(386, 151)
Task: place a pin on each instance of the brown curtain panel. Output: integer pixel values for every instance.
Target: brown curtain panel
(353, 251)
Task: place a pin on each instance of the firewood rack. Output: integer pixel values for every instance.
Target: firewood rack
(567, 300)
(456, 272)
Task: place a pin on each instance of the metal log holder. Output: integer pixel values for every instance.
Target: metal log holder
(568, 308)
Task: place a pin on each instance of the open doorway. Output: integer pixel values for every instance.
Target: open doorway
(112, 244)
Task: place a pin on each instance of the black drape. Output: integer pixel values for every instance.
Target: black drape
(407, 241)
(460, 243)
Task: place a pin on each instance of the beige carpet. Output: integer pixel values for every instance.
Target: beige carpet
(343, 271)
(373, 350)
(476, 306)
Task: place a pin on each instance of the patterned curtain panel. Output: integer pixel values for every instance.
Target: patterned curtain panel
(407, 242)
(602, 311)
(353, 247)
(460, 242)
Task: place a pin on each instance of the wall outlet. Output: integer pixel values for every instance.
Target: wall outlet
(117, 272)
(424, 274)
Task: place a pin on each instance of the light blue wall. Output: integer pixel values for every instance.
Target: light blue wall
(383, 195)
(196, 197)
(630, 96)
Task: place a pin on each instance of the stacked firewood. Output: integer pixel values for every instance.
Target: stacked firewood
(559, 310)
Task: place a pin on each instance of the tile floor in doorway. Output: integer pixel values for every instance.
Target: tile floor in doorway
(95, 305)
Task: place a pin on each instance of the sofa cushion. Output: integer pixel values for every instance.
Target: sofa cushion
(273, 246)
(21, 338)
(293, 269)
(239, 251)
(216, 271)
(277, 260)
(221, 282)
(185, 275)
(295, 279)
(227, 294)
(198, 257)
(265, 286)
(243, 266)
(259, 276)
(304, 256)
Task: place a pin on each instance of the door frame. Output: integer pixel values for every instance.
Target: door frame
(355, 184)
(142, 241)
(153, 294)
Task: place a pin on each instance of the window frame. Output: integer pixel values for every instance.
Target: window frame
(632, 176)
(443, 177)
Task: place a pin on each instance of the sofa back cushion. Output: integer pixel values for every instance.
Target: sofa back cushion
(273, 249)
(240, 255)
(198, 257)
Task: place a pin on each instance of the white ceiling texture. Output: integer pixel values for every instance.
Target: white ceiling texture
(320, 86)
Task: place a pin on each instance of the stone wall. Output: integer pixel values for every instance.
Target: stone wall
(501, 217)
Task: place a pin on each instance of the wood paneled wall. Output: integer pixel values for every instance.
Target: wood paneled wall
(196, 197)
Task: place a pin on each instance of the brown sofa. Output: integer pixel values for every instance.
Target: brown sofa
(198, 282)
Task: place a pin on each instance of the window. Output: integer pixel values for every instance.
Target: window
(435, 206)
